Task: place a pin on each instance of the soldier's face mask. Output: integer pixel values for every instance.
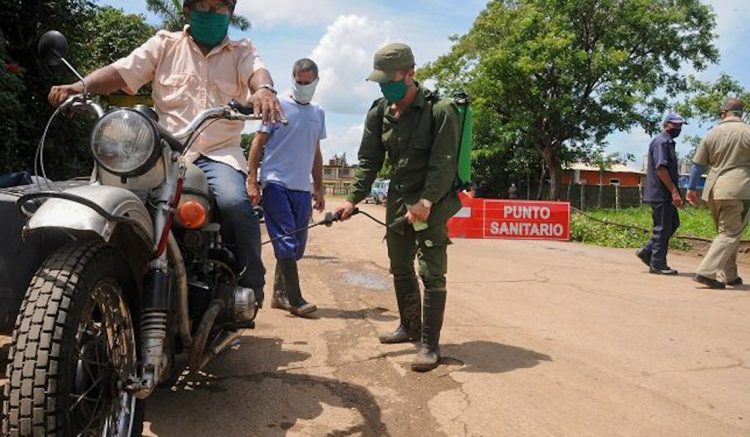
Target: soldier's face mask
(674, 131)
(208, 28)
(394, 91)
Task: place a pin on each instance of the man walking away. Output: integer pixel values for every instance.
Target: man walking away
(662, 193)
(726, 151)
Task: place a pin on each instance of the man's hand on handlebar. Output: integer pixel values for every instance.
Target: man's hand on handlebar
(59, 94)
(266, 104)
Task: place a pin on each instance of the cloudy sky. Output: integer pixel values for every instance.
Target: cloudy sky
(342, 35)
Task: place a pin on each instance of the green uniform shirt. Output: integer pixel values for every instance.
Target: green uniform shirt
(422, 146)
(726, 150)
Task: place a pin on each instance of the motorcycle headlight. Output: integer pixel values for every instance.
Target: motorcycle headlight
(125, 143)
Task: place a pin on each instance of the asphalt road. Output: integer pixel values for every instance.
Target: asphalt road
(540, 338)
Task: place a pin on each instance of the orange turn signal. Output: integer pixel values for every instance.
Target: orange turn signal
(192, 214)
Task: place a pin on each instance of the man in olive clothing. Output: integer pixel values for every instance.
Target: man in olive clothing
(726, 152)
(420, 135)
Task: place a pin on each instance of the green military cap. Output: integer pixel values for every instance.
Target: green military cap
(389, 60)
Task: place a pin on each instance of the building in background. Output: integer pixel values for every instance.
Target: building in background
(617, 175)
(338, 175)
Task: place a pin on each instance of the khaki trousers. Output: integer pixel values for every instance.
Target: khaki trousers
(731, 218)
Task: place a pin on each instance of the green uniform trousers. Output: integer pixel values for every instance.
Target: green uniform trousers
(730, 217)
(429, 246)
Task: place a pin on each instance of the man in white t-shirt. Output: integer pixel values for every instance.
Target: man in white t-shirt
(292, 154)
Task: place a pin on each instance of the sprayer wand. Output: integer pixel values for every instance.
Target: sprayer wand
(328, 220)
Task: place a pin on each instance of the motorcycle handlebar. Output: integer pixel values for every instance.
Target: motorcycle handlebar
(84, 102)
(232, 111)
(242, 109)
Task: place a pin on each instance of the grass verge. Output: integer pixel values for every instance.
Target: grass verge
(693, 222)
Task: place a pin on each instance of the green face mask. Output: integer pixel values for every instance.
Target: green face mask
(208, 28)
(394, 91)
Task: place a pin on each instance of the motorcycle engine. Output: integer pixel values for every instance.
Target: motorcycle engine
(239, 302)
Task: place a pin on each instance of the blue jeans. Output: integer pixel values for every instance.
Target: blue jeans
(240, 228)
(285, 212)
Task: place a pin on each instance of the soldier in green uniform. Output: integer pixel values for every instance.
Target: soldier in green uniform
(419, 133)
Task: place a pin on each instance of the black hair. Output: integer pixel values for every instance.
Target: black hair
(305, 64)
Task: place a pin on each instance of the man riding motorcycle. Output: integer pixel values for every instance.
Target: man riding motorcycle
(190, 71)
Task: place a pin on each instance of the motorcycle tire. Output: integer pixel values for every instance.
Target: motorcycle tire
(62, 378)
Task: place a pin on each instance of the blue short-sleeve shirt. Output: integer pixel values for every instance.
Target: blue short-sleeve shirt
(290, 150)
(661, 153)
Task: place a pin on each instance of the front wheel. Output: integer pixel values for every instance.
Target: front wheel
(73, 347)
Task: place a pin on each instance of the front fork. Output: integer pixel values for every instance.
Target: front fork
(154, 359)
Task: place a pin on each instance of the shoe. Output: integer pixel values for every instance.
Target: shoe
(662, 271)
(409, 310)
(735, 282)
(303, 310)
(290, 275)
(644, 255)
(428, 356)
(710, 283)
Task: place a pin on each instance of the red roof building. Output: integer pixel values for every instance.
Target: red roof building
(616, 174)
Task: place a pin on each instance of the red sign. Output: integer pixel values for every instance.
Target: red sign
(510, 219)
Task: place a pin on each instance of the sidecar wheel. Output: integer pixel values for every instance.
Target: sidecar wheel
(73, 346)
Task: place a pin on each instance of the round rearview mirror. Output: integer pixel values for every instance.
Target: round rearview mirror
(53, 47)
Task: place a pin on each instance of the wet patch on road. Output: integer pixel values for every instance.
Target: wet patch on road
(402, 395)
(370, 281)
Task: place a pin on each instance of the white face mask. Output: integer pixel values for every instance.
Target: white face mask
(304, 93)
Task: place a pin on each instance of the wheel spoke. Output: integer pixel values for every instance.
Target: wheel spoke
(89, 361)
(94, 420)
(83, 395)
(106, 328)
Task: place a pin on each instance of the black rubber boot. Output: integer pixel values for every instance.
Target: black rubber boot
(290, 275)
(409, 309)
(428, 356)
(279, 300)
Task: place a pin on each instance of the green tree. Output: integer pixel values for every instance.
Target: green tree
(21, 25)
(559, 76)
(171, 13)
(11, 90)
(96, 36)
(113, 34)
(703, 100)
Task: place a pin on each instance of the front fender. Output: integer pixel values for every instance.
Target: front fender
(75, 217)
